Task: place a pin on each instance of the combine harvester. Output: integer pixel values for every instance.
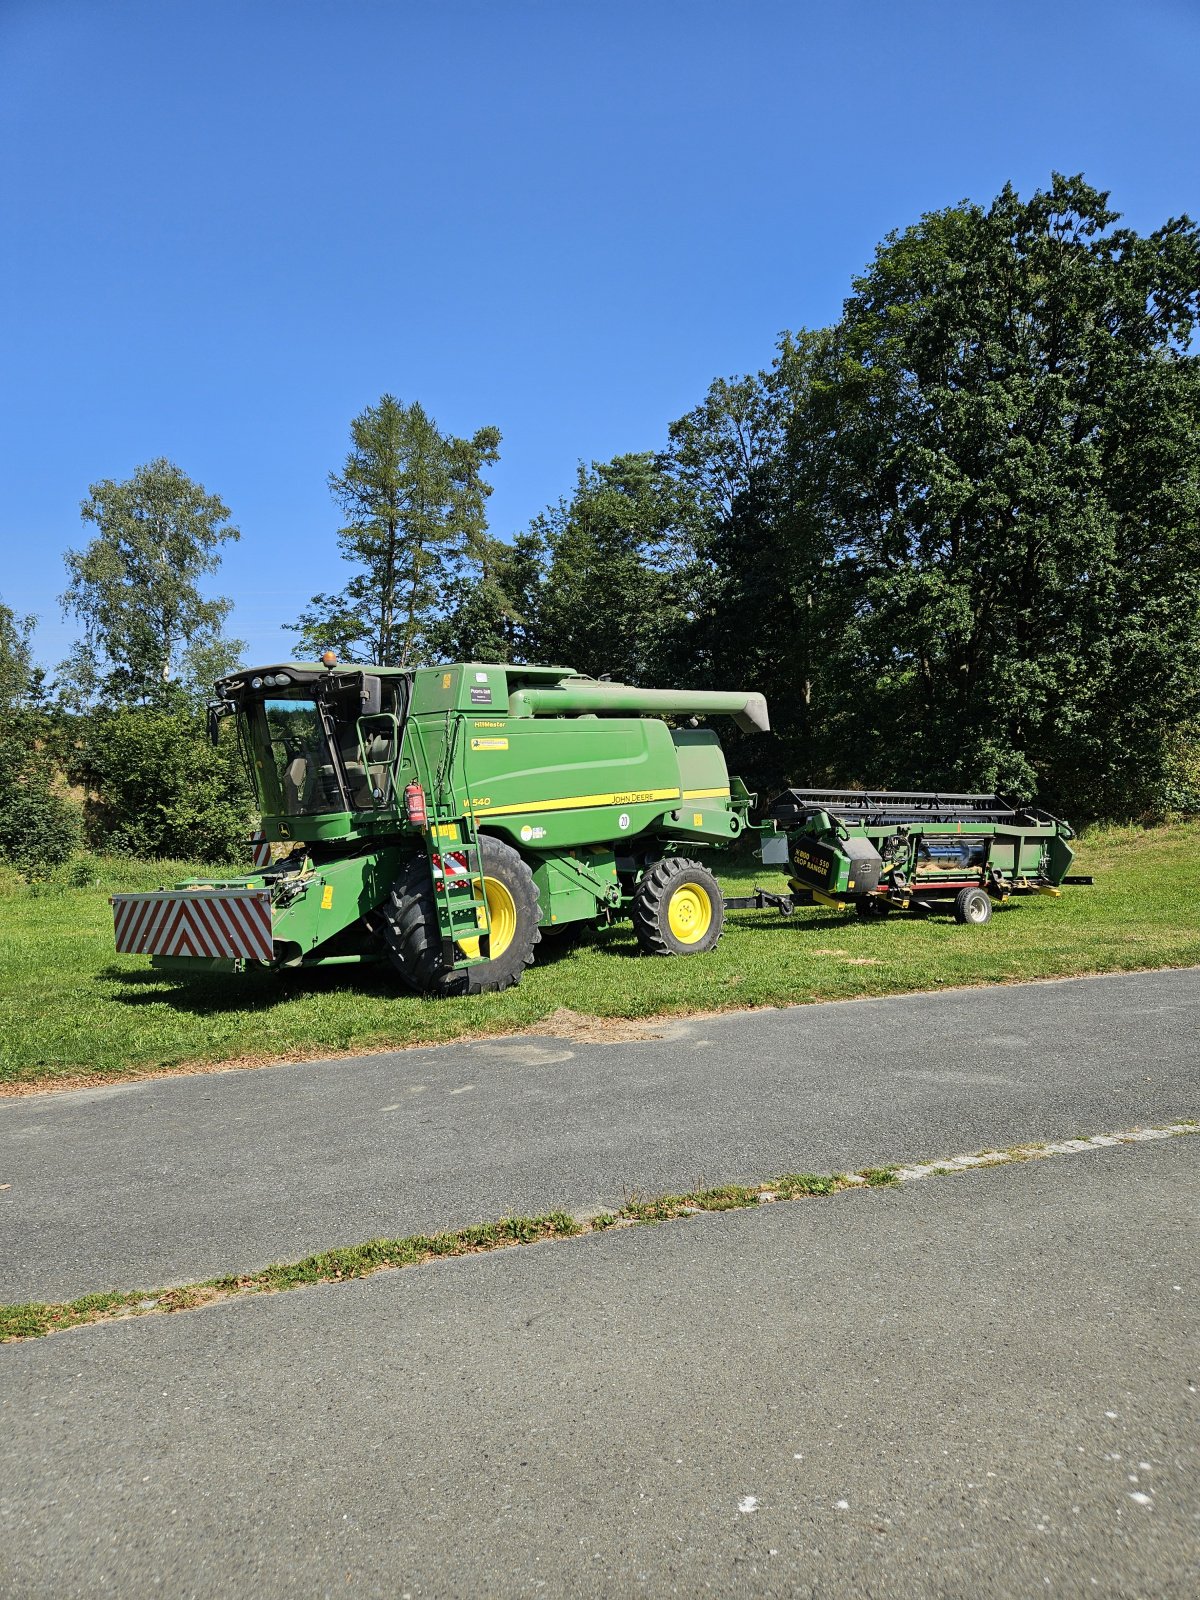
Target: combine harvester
(449, 818)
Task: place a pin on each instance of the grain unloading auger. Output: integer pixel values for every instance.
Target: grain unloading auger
(447, 819)
(880, 852)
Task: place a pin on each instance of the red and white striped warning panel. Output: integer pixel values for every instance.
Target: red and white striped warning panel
(195, 922)
(260, 849)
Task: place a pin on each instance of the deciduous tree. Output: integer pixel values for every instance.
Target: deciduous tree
(617, 593)
(1015, 403)
(136, 588)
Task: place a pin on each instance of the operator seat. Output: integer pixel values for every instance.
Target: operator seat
(297, 785)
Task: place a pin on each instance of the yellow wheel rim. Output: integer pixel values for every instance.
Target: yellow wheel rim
(689, 913)
(502, 915)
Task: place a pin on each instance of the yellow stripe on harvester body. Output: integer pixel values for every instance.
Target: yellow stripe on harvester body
(630, 797)
(706, 794)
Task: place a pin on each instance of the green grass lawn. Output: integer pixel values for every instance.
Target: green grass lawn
(70, 1008)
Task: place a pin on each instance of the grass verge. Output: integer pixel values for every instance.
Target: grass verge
(35, 1319)
(71, 1011)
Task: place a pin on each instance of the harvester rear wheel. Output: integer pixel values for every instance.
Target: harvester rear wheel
(678, 909)
(972, 905)
(413, 941)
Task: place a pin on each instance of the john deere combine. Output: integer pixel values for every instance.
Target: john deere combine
(447, 819)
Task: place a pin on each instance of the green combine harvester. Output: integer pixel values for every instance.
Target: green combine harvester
(447, 819)
(910, 851)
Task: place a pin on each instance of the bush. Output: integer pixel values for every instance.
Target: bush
(38, 828)
(158, 788)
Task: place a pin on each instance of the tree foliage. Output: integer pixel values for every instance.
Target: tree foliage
(617, 586)
(1015, 488)
(495, 606)
(136, 588)
(156, 786)
(21, 680)
(768, 595)
(39, 827)
(413, 498)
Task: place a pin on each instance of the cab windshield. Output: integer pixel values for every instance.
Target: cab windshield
(313, 757)
(302, 771)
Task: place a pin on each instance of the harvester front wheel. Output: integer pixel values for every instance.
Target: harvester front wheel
(972, 905)
(678, 909)
(413, 941)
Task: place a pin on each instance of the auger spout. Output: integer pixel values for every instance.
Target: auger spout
(574, 696)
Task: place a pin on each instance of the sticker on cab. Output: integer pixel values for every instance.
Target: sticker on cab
(489, 744)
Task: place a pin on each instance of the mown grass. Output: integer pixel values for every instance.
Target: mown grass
(71, 1008)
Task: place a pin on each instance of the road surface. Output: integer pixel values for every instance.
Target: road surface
(170, 1180)
(982, 1384)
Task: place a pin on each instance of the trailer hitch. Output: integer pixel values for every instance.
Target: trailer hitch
(785, 904)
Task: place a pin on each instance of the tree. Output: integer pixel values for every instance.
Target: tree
(495, 603)
(148, 628)
(1015, 400)
(413, 499)
(617, 592)
(20, 680)
(156, 787)
(767, 581)
(39, 827)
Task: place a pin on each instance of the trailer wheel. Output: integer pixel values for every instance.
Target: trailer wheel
(972, 905)
(678, 909)
(413, 941)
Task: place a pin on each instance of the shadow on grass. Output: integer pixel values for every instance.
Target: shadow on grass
(247, 991)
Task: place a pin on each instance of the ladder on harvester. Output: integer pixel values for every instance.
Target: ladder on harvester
(455, 865)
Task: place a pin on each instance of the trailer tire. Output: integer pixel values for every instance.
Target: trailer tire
(678, 909)
(973, 906)
(409, 926)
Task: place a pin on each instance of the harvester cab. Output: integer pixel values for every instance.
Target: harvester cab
(446, 819)
(318, 742)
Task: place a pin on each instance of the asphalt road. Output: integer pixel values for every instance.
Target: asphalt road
(167, 1181)
(981, 1385)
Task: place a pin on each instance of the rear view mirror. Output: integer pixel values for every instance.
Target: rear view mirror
(372, 695)
(217, 710)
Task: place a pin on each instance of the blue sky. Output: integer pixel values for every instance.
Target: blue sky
(229, 227)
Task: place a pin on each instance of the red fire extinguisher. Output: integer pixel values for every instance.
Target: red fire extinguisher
(414, 805)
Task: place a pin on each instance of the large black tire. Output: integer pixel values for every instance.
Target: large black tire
(972, 906)
(409, 926)
(678, 909)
